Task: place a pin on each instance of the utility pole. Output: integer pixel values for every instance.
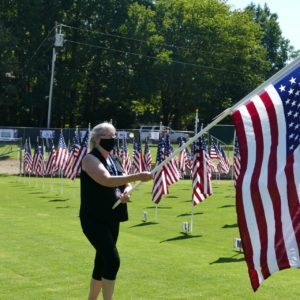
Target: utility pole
(59, 41)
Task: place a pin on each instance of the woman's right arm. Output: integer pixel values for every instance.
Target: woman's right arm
(96, 170)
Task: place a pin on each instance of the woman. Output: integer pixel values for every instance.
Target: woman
(103, 182)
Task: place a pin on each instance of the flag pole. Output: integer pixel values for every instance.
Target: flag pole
(289, 68)
(233, 148)
(193, 206)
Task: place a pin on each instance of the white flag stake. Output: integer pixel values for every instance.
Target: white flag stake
(287, 69)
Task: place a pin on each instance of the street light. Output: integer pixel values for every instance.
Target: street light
(59, 41)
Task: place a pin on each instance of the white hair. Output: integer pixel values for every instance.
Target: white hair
(97, 131)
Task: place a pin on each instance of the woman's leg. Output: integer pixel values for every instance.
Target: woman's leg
(95, 288)
(96, 280)
(107, 288)
(107, 261)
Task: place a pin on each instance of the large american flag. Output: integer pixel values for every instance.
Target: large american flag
(201, 180)
(268, 187)
(27, 164)
(147, 157)
(160, 186)
(62, 153)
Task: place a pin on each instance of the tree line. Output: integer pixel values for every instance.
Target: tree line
(136, 62)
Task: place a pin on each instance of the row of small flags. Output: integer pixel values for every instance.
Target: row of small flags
(199, 163)
(64, 162)
(60, 161)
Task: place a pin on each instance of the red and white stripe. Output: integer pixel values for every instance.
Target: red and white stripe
(201, 177)
(160, 186)
(268, 188)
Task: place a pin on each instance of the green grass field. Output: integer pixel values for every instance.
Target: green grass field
(44, 254)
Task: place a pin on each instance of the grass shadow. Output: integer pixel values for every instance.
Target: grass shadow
(230, 226)
(143, 224)
(62, 207)
(171, 197)
(189, 214)
(183, 236)
(34, 193)
(231, 259)
(58, 200)
(226, 206)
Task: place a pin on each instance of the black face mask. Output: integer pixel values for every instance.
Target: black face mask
(107, 144)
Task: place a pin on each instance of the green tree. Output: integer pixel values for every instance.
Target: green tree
(205, 56)
(279, 50)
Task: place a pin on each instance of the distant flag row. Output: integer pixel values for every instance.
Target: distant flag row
(60, 160)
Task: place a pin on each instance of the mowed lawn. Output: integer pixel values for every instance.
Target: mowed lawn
(44, 254)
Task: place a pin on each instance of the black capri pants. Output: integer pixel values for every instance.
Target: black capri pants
(103, 236)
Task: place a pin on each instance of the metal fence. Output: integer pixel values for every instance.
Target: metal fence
(224, 133)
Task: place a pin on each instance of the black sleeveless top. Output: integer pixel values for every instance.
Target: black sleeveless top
(97, 200)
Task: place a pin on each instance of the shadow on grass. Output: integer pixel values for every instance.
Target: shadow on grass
(45, 197)
(160, 207)
(189, 214)
(230, 226)
(62, 206)
(231, 259)
(171, 197)
(230, 196)
(33, 193)
(144, 224)
(226, 206)
(58, 200)
(183, 236)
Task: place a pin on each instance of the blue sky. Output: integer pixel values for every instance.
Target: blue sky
(288, 12)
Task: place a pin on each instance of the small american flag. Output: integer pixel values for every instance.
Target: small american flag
(236, 161)
(38, 166)
(126, 158)
(213, 153)
(201, 173)
(27, 157)
(73, 155)
(138, 163)
(50, 165)
(172, 173)
(223, 165)
(62, 153)
(268, 186)
(76, 168)
(160, 186)
(147, 157)
(183, 157)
